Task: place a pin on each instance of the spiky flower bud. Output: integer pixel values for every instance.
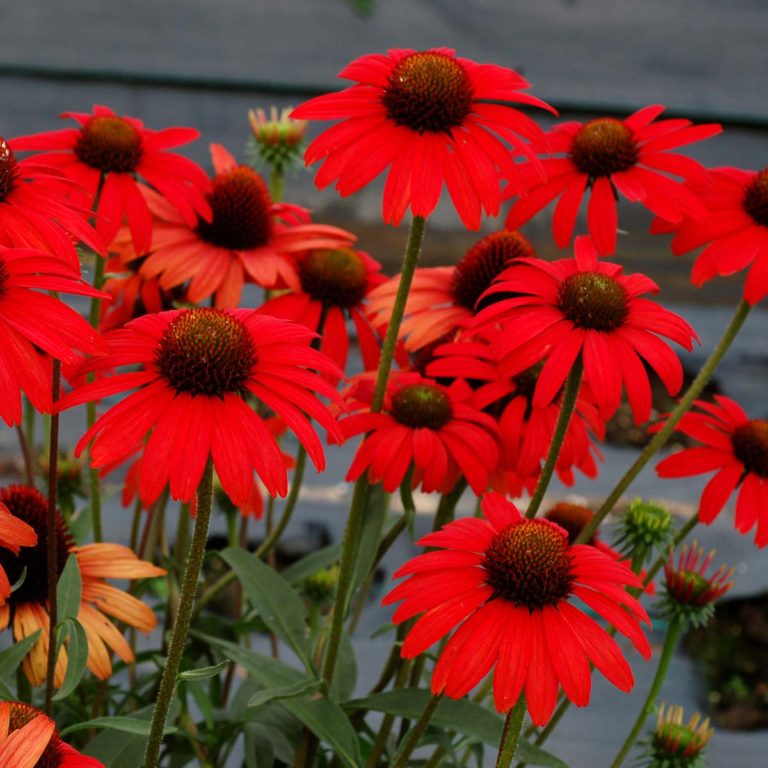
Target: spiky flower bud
(675, 744)
(644, 527)
(278, 140)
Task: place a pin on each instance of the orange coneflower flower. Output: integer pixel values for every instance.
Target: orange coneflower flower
(29, 739)
(27, 607)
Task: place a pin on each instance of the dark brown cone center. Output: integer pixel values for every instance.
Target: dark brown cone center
(242, 211)
(750, 445)
(206, 352)
(483, 263)
(29, 505)
(594, 301)
(602, 147)
(9, 169)
(421, 406)
(573, 518)
(528, 564)
(428, 92)
(336, 277)
(756, 198)
(109, 144)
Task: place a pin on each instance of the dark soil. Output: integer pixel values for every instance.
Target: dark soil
(733, 652)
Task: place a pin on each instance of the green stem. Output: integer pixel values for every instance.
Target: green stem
(386, 725)
(51, 548)
(670, 643)
(276, 185)
(661, 437)
(412, 741)
(690, 524)
(360, 494)
(510, 736)
(183, 617)
(90, 409)
(30, 415)
(567, 407)
(29, 473)
(410, 260)
(272, 538)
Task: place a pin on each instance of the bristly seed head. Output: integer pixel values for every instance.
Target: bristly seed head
(750, 446)
(676, 744)
(241, 207)
(421, 406)
(528, 564)
(9, 168)
(206, 352)
(29, 505)
(428, 92)
(593, 301)
(336, 277)
(756, 198)
(603, 146)
(109, 144)
(483, 263)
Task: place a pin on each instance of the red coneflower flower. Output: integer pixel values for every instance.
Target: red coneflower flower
(424, 424)
(582, 306)
(442, 300)
(27, 607)
(525, 430)
(29, 739)
(197, 368)
(737, 447)
(508, 582)
(735, 231)
(334, 283)
(611, 157)
(248, 239)
(14, 534)
(116, 150)
(426, 114)
(31, 321)
(35, 211)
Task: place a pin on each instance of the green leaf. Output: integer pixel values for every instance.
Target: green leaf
(299, 688)
(69, 590)
(259, 752)
(203, 673)
(326, 719)
(311, 564)
(277, 604)
(11, 658)
(18, 583)
(77, 655)
(461, 715)
(123, 724)
(345, 679)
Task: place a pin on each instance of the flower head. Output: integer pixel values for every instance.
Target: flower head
(525, 430)
(248, 238)
(36, 210)
(508, 582)
(427, 115)
(29, 739)
(110, 153)
(442, 300)
(334, 285)
(278, 139)
(27, 607)
(582, 307)
(734, 234)
(644, 527)
(198, 367)
(737, 447)
(609, 157)
(31, 321)
(424, 424)
(676, 744)
(690, 591)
